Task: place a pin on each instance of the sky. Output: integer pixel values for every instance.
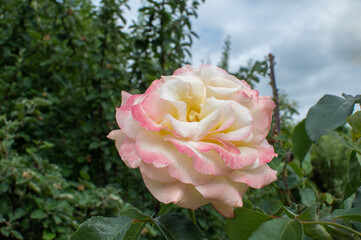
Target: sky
(316, 44)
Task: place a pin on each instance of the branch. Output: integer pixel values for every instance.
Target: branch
(275, 94)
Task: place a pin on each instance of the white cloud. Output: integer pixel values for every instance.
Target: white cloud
(317, 44)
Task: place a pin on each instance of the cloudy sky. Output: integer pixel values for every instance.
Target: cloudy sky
(317, 44)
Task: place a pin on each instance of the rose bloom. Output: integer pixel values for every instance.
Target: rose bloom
(198, 137)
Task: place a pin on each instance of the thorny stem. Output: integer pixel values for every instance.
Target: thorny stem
(289, 156)
(275, 94)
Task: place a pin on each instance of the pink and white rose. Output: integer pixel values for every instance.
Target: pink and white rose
(198, 137)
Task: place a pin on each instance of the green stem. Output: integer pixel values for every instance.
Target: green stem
(192, 216)
(333, 224)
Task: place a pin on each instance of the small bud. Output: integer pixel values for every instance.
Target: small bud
(80, 187)
(88, 158)
(27, 175)
(46, 37)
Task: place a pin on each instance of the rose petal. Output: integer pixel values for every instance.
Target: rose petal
(256, 177)
(153, 148)
(224, 209)
(156, 174)
(184, 195)
(126, 148)
(125, 121)
(223, 191)
(204, 162)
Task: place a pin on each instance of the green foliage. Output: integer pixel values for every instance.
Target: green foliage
(172, 226)
(301, 141)
(286, 224)
(355, 122)
(245, 222)
(103, 228)
(54, 205)
(329, 113)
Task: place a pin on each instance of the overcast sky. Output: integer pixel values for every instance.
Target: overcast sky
(317, 44)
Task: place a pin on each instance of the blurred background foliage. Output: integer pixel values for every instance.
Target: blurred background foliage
(63, 65)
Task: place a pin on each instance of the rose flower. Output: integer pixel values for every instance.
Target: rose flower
(198, 137)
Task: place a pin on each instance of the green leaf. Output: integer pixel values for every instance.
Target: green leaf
(135, 214)
(308, 196)
(293, 230)
(284, 210)
(134, 230)
(306, 164)
(301, 141)
(84, 175)
(38, 214)
(41, 102)
(105, 228)
(165, 208)
(352, 214)
(338, 233)
(329, 113)
(354, 173)
(16, 234)
(175, 226)
(357, 201)
(309, 214)
(48, 235)
(355, 122)
(342, 140)
(314, 231)
(244, 223)
(270, 230)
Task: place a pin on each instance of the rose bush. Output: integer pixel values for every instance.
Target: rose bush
(198, 137)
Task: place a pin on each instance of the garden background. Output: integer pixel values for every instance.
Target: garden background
(63, 66)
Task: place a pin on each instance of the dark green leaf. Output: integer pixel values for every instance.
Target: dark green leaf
(352, 214)
(103, 228)
(270, 230)
(284, 210)
(329, 113)
(357, 201)
(165, 208)
(293, 230)
(135, 214)
(16, 234)
(38, 214)
(84, 175)
(354, 174)
(308, 196)
(134, 230)
(338, 233)
(314, 231)
(175, 226)
(48, 235)
(309, 214)
(301, 141)
(244, 223)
